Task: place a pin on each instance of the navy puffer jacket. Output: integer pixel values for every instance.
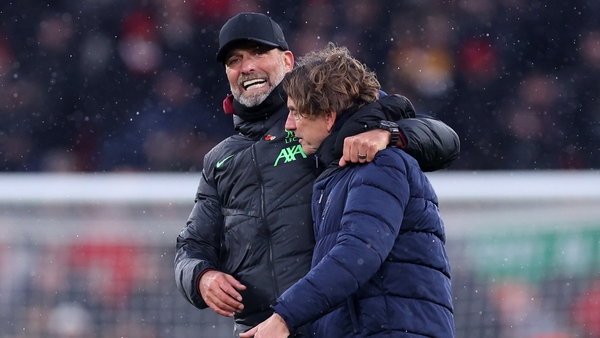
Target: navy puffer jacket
(380, 267)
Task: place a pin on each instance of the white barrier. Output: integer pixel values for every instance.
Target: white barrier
(467, 199)
(492, 186)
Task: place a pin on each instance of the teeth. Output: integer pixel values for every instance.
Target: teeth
(254, 83)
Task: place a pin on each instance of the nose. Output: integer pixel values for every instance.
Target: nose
(248, 64)
(290, 122)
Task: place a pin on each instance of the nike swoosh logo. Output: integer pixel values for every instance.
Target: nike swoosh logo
(220, 163)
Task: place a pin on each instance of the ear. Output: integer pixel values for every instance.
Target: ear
(288, 60)
(330, 119)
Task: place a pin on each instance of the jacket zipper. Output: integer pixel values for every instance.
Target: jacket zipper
(263, 216)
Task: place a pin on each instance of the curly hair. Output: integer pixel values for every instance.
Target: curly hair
(330, 80)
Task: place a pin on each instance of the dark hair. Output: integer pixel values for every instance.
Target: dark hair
(330, 80)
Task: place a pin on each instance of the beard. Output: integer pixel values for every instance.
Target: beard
(255, 98)
(252, 99)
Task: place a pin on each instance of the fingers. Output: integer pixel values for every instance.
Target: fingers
(342, 161)
(219, 291)
(222, 303)
(250, 333)
(363, 147)
(351, 149)
(358, 150)
(273, 327)
(236, 284)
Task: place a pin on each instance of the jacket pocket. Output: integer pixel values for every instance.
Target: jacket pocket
(236, 242)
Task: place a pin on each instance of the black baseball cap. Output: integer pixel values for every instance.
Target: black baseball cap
(250, 27)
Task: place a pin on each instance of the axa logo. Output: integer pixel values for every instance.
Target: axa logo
(289, 154)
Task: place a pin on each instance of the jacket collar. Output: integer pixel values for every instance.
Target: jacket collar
(331, 149)
(276, 99)
(255, 121)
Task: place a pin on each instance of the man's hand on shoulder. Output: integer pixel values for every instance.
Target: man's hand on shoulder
(362, 148)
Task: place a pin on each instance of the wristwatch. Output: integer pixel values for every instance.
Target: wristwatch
(392, 127)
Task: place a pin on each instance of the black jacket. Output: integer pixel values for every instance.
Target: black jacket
(252, 214)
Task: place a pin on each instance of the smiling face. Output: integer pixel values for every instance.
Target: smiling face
(254, 70)
(310, 130)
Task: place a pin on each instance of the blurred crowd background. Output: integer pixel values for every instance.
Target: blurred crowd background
(133, 86)
(111, 85)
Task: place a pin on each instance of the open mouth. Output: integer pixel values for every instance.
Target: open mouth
(254, 84)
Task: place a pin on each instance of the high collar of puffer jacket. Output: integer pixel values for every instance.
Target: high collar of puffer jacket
(331, 149)
(355, 121)
(256, 120)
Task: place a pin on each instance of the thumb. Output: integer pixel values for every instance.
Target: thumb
(250, 333)
(342, 162)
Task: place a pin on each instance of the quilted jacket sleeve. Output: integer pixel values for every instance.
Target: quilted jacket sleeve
(198, 244)
(433, 143)
(430, 141)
